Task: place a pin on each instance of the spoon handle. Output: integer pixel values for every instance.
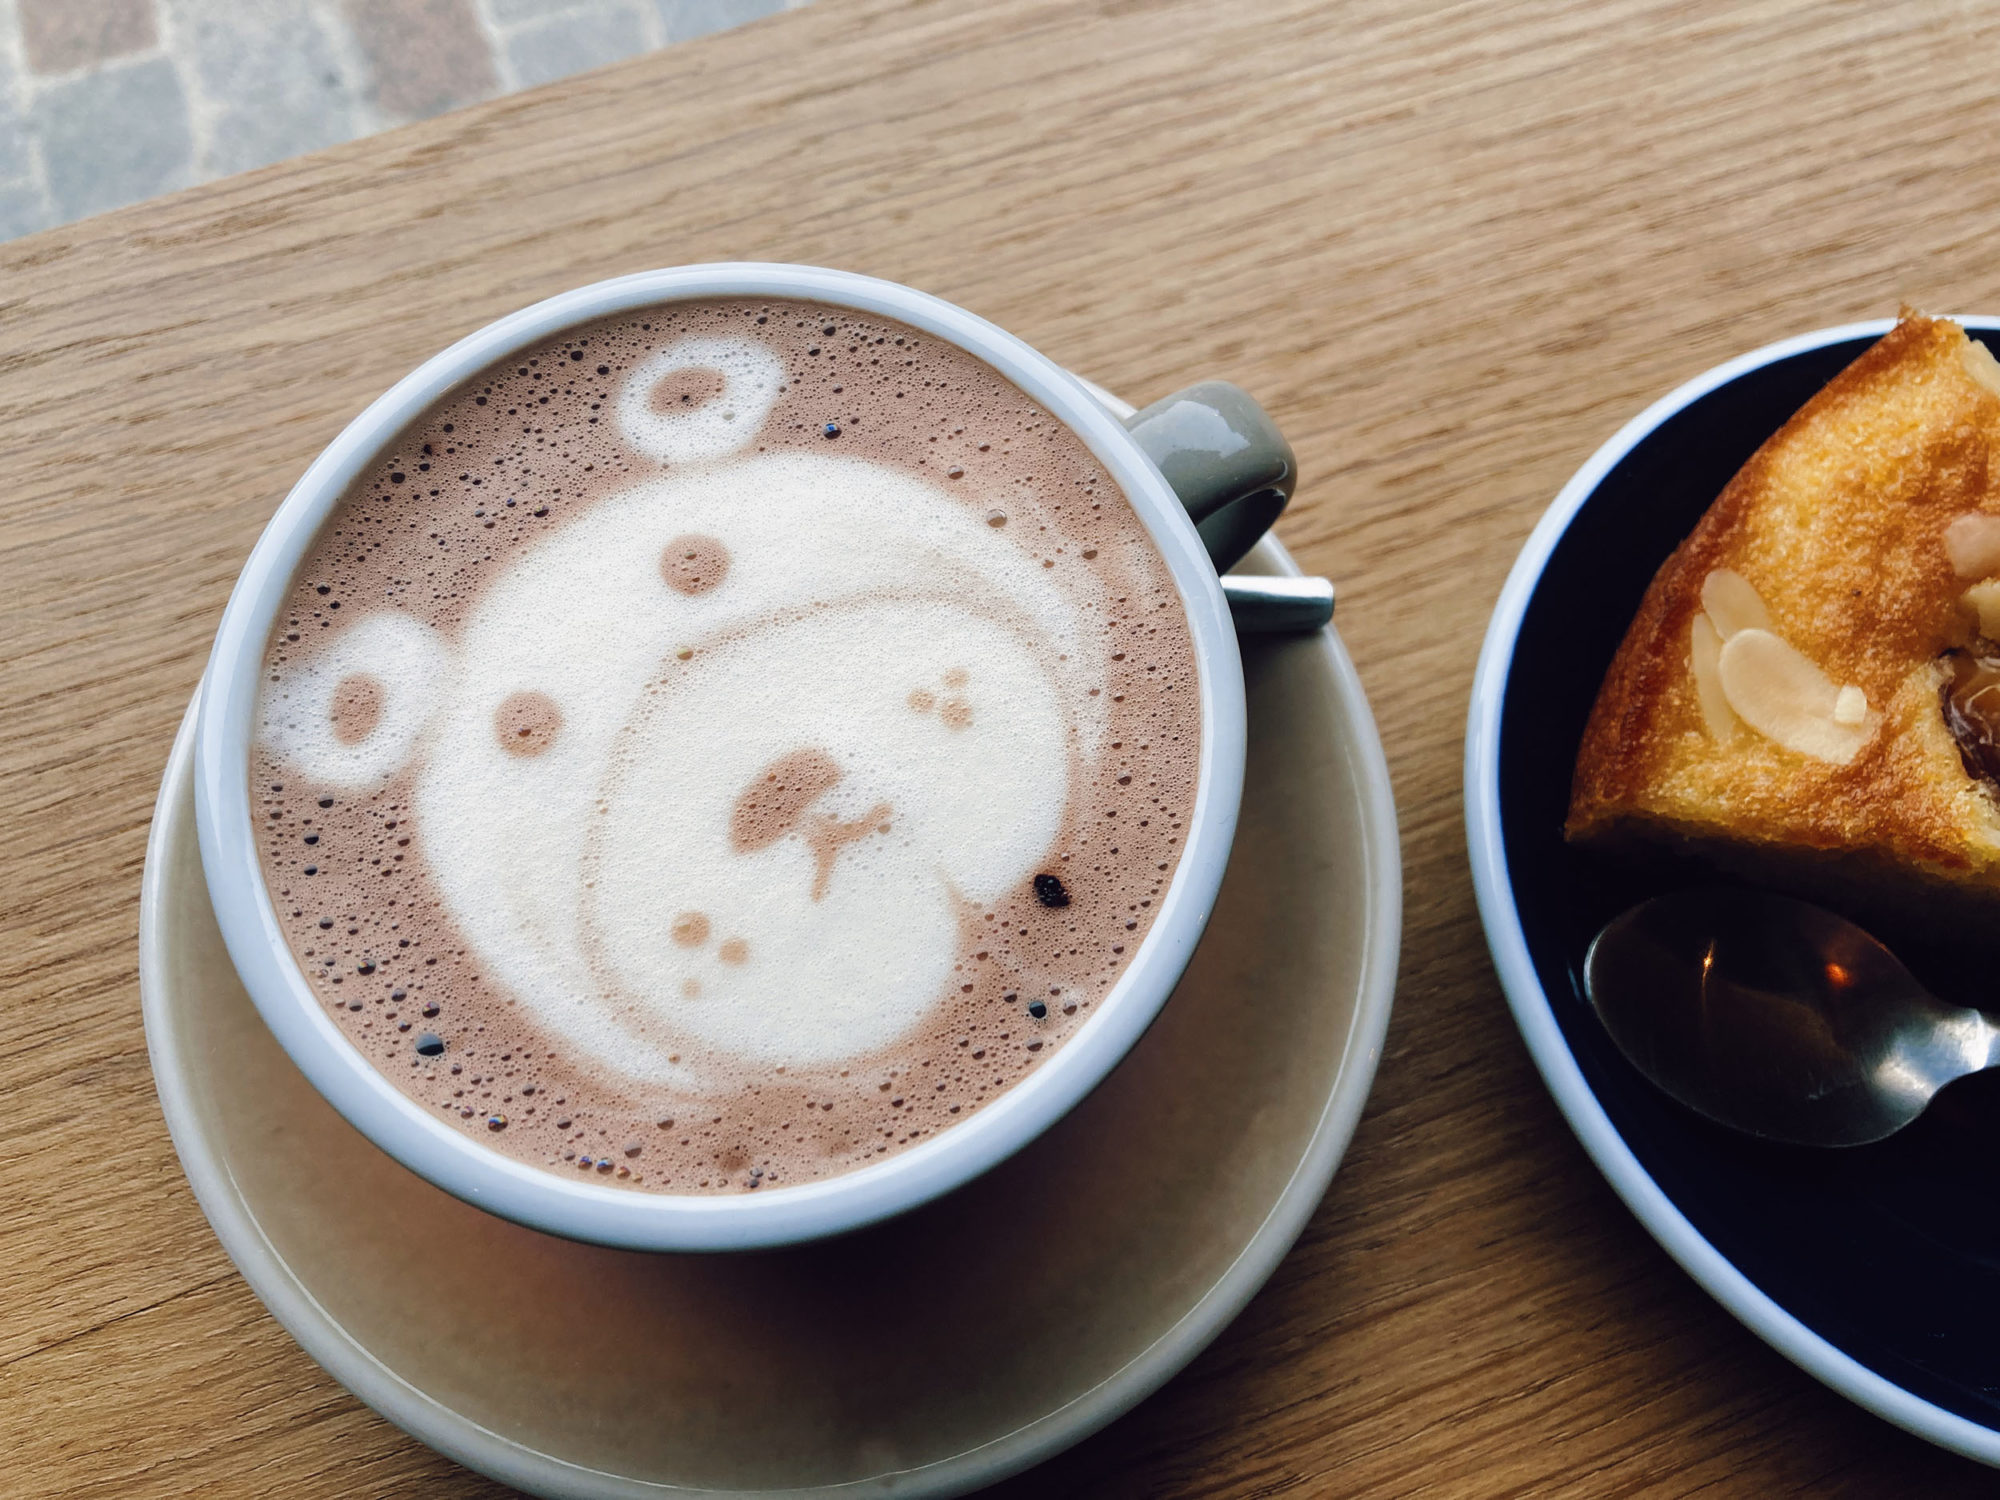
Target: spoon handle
(1983, 1041)
(1271, 606)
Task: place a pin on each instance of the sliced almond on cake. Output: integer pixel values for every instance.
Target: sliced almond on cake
(1777, 690)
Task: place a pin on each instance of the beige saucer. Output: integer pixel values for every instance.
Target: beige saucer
(926, 1356)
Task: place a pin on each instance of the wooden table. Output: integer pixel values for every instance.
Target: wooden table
(1453, 251)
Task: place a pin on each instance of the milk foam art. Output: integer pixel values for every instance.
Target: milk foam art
(710, 775)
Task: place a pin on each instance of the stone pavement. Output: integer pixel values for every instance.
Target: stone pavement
(104, 102)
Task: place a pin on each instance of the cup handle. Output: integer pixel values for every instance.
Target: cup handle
(1234, 472)
(1225, 458)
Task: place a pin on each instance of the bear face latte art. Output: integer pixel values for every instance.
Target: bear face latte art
(723, 746)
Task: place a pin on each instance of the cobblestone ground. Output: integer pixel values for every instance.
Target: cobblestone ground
(104, 102)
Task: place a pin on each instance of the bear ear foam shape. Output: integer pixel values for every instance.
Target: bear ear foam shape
(727, 421)
(350, 715)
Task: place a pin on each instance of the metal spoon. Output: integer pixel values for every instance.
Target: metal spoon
(1777, 1018)
(1277, 606)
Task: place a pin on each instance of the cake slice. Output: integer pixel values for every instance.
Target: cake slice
(1810, 694)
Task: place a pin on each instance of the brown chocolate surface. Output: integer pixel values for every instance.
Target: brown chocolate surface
(529, 444)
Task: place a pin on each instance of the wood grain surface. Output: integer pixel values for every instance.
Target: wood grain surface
(1453, 247)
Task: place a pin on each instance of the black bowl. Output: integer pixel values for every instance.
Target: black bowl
(1876, 1268)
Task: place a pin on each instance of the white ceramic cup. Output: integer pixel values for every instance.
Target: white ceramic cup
(580, 1208)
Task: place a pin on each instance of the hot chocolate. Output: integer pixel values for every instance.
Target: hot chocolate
(724, 745)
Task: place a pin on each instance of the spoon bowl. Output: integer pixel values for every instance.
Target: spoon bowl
(1776, 1017)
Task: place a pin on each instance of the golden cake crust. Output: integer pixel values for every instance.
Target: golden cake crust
(1838, 522)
